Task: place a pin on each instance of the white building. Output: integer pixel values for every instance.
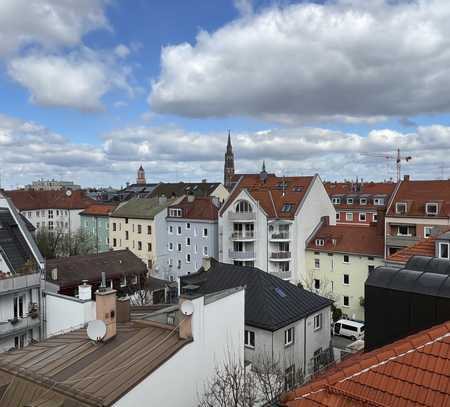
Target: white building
(20, 280)
(267, 220)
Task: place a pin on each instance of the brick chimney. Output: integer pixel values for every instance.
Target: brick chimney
(381, 214)
(106, 308)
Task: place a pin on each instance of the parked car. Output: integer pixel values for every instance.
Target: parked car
(349, 328)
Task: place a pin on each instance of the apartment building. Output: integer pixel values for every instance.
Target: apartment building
(53, 210)
(95, 224)
(416, 207)
(192, 233)
(339, 259)
(140, 226)
(267, 220)
(20, 281)
(358, 203)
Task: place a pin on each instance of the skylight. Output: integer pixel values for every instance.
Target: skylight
(287, 207)
(280, 292)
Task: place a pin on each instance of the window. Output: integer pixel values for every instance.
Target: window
(289, 378)
(287, 207)
(349, 201)
(170, 246)
(375, 217)
(346, 258)
(205, 250)
(378, 201)
(139, 245)
(38, 214)
(188, 226)
(363, 201)
(188, 241)
(317, 263)
(320, 242)
(123, 281)
(170, 262)
(346, 279)
(317, 284)
(18, 307)
(171, 230)
(346, 301)
(370, 268)
(338, 216)
(114, 242)
(188, 258)
(126, 223)
(243, 206)
(401, 208)
(432, 209)
(444, 250)
(175, 212)
(336, 201)
(427, 231)
(149, 230)
(362, 216)
(288, 336)
(249, 339)
(139, 228)
(29, 214)
(179, 264)
(127, 236)
(50, 225)
(317, 322)
(403, 231)
(349, 216)
(370, 258)
(114, 226)
(205, 232)
(179, 247)
(50, 213)
(149, 247)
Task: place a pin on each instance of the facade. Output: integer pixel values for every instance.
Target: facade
(338, 261)
(20, 281)
(416, 207)
(267, 220)
(140, 226)
(52, 185)
(53, 210)
(192, 233)
(284, 324)
(359, 203)
(95, 224)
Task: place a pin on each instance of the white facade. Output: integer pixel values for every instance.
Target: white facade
(66, 220)
(274, 245)
(217, 331)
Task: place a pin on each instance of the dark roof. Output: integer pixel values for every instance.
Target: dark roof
(70, 367)
(72, 270)
(270, 302)
(201, 208)
(411, 372)
(178, 189)
(25, 200)
(141, 208)
(13, 246)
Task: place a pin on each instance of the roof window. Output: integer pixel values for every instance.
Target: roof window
(287, 207)
(320, 242)
(280, 292)
(431, 209)
(401, 208)
(297, 188)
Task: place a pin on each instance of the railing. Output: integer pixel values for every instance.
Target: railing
(241, 255)
(243, 216)
(243, 235)
(8, 328)
(282, 274)
(19, 282)
(280, 255)
(401, 240)
(280, 235)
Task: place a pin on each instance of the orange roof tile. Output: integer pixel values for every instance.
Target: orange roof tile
(425, 247)
(99, 210)
(201, 208)
(414, 371)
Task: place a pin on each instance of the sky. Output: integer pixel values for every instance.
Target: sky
(92, 89)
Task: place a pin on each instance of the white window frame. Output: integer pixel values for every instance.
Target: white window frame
(336, 201)
(317, 322)
(349, 201)
(320, 242)
(188, 258)
(363, 201)
(179, 231)
(188, 241)
(315, 285)
(175, 212)
(349, 216)
(317, 263)
(188, 225)
(205, 250)
(440, 244)
(170, 230)
(205, 234)
(365, 216)
(179, 247)
(343, 301)
(338, 215)
(378, 201)
(343, 279)
(435, 204)
(427, 231)
(170, 246)
(398, 205)
(248, 336)
(289, 336)
(348, 257)
(375, 217)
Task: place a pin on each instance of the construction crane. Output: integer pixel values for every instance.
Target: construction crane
(397, 157)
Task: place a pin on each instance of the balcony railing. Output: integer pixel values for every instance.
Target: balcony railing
(19, 282)
(280, 255)
(243, 235)
(280, 236)
(242, 216)
(247, 255)
(11, 327)
(401, 240)
(285, 275)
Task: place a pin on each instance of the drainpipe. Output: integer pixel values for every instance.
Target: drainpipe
(304, 348)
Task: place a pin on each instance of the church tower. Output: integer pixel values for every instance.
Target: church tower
(141, 176)
(228, 173)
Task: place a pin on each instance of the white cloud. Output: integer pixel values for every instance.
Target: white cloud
(122, 51)
(345, 60)
(49, 23)
(245, 7)
(78, 80)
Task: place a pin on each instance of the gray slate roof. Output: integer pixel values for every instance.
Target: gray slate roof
(141, 208)
(270, 302)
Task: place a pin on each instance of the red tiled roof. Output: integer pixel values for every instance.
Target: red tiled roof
(271, 195)
(349, 239)
(425, 247)
(201, 208)
(369, 188)
(414, 371)
(29, 199)
(99, 210)
(417, 193)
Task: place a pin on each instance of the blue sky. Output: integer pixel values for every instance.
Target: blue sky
(89, 90)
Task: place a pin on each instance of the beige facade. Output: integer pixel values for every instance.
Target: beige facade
(340, 276)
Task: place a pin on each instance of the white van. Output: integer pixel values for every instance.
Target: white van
(349, 328)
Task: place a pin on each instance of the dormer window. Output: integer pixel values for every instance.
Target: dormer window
(363, 201)
(349, 201)
(401, 208)
(320, 242)
(287, 207)
(444, 250)
(432, 209)
(378, 201)
(243, 206)
(175, 212)
(336, 201)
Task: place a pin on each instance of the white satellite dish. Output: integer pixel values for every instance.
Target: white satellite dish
(187, 308)
(69, 192)
(96, 330)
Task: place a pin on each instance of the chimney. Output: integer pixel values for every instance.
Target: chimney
(204, 180)
(380, 221)
(85, 291)
(106, 308)
(406, 177)
(185, 330)
(123, 309)
(206, 263)
(191, 197)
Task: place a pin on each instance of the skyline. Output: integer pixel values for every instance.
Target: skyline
(92, 90)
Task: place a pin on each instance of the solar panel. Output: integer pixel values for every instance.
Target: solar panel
(280, 292)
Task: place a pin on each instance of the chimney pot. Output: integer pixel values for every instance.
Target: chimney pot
(85, 291)
(406, 177)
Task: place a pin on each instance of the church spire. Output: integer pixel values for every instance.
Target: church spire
(228, 172)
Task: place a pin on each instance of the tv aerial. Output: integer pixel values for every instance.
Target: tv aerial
(96, 330)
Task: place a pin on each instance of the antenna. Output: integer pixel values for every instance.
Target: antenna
(96, 330)
(187, 308)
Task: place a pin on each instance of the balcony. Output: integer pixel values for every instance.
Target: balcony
(19, 282)
(401, 240)
(284, 275)
(243, 236)
(280, 256)
(242, 216)
(280, 237)
(10, 328)
(246, 255)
